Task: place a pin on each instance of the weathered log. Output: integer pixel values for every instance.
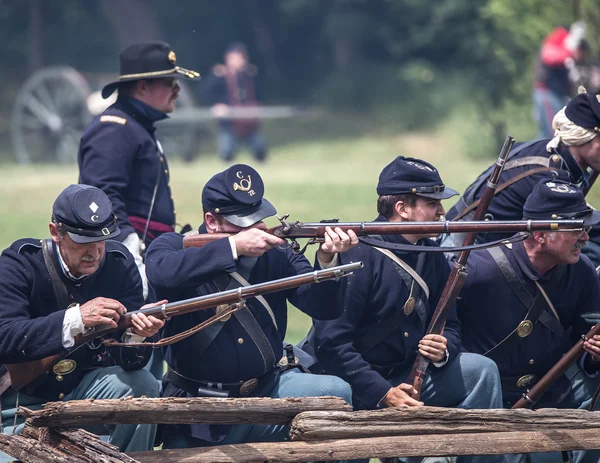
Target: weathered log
(382, 447)
(319, 425)
(173, 410)
(41, 445)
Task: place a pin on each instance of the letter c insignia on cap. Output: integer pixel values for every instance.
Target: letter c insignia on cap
(94, 218)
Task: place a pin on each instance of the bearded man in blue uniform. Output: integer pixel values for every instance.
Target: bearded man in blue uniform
(55, 289)
(239, 356)
(524, 304)
(389, 305)
(574, 148)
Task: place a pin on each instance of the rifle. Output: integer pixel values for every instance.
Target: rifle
(458, 275)
(22, 374)
(531, 397)
(315, 231)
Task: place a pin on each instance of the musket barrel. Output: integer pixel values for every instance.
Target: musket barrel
(437, 227)
(234, 295)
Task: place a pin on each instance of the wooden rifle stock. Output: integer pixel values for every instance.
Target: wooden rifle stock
(316, 230)
(22, 374)
(531, 397)
(459, 272)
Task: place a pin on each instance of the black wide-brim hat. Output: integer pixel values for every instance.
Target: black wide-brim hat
(148, 60)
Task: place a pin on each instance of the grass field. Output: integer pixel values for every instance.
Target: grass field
(311, 177)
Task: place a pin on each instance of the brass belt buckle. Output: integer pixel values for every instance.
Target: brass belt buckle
(248, 386)
(525, 381)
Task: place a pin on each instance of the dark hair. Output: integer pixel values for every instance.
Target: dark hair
(386, 203)
(127, 88)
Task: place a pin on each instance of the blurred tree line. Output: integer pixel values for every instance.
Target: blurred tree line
(356, 54)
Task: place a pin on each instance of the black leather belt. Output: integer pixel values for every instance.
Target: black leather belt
(243, 388)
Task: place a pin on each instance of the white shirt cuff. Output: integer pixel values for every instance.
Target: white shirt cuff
(380, 402)
(333, 262)
(233, 248)
(72, 326)
(443, 362)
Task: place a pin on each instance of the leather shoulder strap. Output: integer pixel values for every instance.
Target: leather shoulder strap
(407, 268)
(535, 307)
(60, 290)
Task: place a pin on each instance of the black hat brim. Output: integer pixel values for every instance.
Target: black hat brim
(251, 215)
(178, 72)
(444, 194)
(80, 239)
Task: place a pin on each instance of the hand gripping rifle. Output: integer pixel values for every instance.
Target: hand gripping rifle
(22, 374)
(458, 275)
(531, 397)
(315, 231)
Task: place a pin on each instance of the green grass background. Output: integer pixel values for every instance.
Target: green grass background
(318, 169)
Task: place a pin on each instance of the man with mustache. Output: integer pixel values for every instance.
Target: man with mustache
(240, 356)
(524, 304)
(119, 152)
(389, 306)
(55, 289)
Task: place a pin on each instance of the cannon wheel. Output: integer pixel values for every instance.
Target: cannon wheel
(49, 116)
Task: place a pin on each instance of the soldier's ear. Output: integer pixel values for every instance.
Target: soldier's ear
(540, 237)
(54, 233)
(212, 222)
(401, 210)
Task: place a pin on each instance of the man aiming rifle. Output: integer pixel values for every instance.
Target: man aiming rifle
(239, 356)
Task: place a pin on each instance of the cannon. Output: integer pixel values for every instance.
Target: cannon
(55, 105)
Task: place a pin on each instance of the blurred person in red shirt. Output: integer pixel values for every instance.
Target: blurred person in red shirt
(561, 51)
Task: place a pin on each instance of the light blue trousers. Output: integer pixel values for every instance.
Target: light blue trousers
(582, 391)
(469, 381)
(101, 383)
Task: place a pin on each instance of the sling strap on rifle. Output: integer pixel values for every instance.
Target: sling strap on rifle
(205, 336)
(415, 302)
(535, 306)
(467, 204)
